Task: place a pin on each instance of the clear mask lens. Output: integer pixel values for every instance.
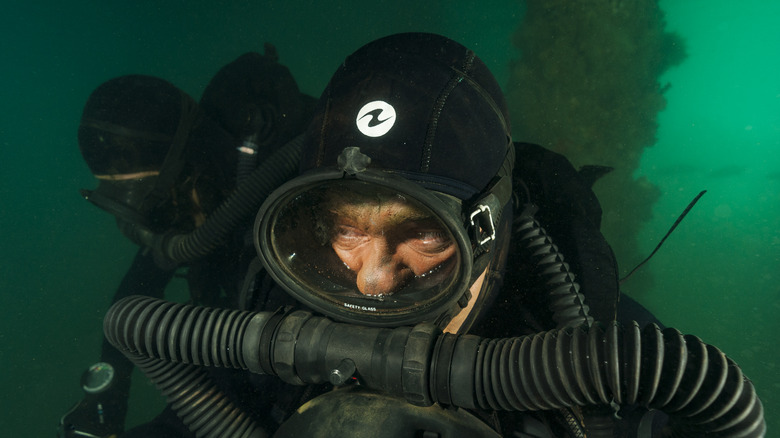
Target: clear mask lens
(359, 248)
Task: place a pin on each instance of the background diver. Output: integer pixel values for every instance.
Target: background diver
(164, 164)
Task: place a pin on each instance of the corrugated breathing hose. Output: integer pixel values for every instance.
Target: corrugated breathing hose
(701, 390)
(172, 250)
(565, 300)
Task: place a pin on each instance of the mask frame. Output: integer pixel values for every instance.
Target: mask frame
(439, 310)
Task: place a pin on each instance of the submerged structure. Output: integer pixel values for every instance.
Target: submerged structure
(587, 85)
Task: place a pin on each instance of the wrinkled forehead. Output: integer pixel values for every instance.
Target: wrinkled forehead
(358, 203)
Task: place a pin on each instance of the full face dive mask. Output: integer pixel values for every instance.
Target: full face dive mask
(132, 136)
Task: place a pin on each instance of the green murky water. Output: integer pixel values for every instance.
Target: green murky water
(61, 259)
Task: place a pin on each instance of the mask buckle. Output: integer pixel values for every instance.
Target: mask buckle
(351, 161)
(483, 226)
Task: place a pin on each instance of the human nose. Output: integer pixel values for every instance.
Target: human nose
(381, 272)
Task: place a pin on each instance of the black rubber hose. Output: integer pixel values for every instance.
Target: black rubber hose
(247, 158)
(566, 301)
(176, 249)
(171, 358)
(701, 390)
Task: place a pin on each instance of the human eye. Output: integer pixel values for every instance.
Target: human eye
(347, 237)
(431, 241)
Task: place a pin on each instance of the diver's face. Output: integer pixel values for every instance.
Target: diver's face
(388, 243)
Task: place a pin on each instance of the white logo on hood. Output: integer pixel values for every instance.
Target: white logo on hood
(375, 118)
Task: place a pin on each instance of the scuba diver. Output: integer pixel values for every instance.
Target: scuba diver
(165, 165)
(406, 287)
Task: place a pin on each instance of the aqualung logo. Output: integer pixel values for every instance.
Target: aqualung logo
(375, 118)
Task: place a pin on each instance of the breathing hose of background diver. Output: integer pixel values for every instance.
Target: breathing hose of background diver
(245, 200)
(262, 134)
(247, 157)
(701, 390)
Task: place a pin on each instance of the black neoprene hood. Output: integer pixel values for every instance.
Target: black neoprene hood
(420, 105)
(129, 123)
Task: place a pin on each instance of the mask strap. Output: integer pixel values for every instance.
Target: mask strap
(485, 215)
(123, 131)
(173, 163)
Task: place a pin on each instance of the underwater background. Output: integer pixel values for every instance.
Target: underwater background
(708, 118)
